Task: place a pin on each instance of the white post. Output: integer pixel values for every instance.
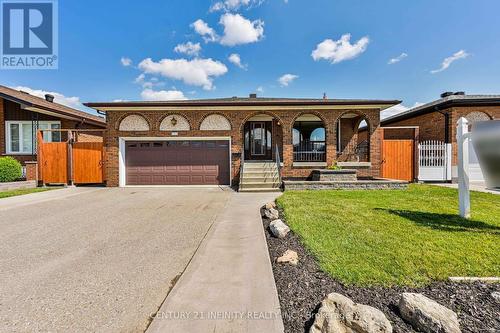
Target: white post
(463, 167)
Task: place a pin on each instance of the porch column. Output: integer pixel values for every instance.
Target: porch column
(331, 140)
(287, 146)
(376, 138)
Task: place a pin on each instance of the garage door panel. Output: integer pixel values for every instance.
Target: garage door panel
(178, 163)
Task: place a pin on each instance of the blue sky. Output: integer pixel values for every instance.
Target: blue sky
(299, 41)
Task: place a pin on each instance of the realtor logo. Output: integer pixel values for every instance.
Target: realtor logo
(29, 34)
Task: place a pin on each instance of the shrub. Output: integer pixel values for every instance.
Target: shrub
(10, 169)
(334, 167)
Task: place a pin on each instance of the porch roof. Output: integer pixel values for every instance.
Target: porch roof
(244, 101)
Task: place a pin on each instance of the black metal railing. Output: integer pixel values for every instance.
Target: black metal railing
(310, 151)
(278, 162)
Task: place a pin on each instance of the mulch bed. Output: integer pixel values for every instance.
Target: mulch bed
(302, 288)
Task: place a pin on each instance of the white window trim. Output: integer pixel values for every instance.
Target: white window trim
(20, 123)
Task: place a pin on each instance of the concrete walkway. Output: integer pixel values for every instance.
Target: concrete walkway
(229, 284)
(474, 186)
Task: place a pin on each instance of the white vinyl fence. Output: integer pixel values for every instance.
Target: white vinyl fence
(434, 161)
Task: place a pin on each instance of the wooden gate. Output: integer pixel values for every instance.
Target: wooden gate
(398, 159)
(87, 162)
(70, 162)
(53, 162)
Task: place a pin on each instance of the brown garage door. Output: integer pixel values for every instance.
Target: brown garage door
(177, 162)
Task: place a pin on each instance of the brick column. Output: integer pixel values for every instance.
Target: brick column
(375, 147)
(331, 141)
(2, 127)
(31, 170)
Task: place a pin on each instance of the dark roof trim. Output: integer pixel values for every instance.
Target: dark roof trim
(431, 107)
(242, 103)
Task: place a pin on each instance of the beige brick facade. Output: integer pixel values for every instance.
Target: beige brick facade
(282, 135)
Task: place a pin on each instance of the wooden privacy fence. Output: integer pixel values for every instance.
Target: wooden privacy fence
(398, 159)
(78, 159)
(399, 153)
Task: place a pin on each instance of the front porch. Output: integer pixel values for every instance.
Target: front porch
(309, 143)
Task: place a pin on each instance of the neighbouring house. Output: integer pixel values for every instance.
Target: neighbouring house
(22, 114)
(204, 142)
(437, 121)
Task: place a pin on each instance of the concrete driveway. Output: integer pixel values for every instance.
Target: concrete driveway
(97, 260)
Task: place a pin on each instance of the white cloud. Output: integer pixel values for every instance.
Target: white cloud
(239, 30)
(196, 72)
(260, 89)
(72, 102)
(126, 61)
(188, 48)
(162, 95)
(231, 5)
(336, 51)
(236, 60)
(397, 59)
(140, 79)
(286, 79)
(462, 54)
(202, 28)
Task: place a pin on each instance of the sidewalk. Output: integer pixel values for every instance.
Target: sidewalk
(474, 186)
(229, 284)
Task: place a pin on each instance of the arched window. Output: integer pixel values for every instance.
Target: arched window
(309, 139)
(353, 138)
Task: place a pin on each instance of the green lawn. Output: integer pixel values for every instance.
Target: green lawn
(396, 237)
(13, 193)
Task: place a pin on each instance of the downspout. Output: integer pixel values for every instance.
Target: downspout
(446, 124)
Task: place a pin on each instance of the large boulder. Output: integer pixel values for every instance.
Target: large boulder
(426, 315)
(290, 257)
(270, 205)
(279, 228)
(272, 214)
(339, 314)
(496, 296)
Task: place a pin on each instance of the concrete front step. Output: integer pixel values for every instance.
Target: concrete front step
(259, 166)
(247, 179)
(260, 185)
(260, 170)
(260, 190)
(260, 174)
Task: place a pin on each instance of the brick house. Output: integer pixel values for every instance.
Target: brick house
(437, 120)
(22, 114)
(203, 142)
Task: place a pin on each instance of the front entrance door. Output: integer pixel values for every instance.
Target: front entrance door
(258, 140)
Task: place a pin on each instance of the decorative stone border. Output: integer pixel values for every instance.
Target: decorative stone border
(23, 185)
(377, 184)
(334, 175)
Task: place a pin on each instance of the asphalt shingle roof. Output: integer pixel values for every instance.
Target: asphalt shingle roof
(28, 99)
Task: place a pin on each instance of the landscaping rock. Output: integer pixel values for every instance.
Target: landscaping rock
(426, 315)
(279, 228)
(496, 296)
(270, 205)
(289, 257)
(340, 314)
(272, 214)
